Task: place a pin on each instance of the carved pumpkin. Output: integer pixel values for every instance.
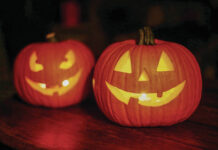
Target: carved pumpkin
(155, 83)
(53, 74)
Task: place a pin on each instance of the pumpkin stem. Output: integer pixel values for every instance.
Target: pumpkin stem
(51, 37)
(146, 36)
(141, 40)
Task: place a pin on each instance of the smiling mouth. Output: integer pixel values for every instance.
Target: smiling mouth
(147, 99)
(60, 90)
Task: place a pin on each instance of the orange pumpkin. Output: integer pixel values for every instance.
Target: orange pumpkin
(155, 83)
(53, 74)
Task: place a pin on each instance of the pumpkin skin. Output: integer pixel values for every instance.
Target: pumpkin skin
(167, 73)
(53, 74)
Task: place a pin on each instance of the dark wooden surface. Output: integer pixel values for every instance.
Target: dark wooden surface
(84, 127)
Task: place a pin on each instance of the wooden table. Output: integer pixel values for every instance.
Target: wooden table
(83, 126)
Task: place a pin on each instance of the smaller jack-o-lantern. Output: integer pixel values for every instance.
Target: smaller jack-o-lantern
(53, 74)
(154, 83)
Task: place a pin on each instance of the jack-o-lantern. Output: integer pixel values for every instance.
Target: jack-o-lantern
(53, 74)
(155, 83)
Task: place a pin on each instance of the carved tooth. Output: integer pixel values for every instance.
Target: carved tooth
(159, 94)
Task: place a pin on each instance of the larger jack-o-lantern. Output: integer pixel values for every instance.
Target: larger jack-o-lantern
(53, 74)
(154, 83)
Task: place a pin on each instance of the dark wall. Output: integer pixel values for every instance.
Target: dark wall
(26, 21)
(188, 22)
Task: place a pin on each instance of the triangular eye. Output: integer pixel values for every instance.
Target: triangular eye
(70, 60)
(124, 63)
(165, 64)
(34, 66)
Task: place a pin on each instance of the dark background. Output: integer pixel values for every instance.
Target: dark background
(102, 22)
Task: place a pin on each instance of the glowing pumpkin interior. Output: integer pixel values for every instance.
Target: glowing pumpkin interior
(154, 99)
(65, 85)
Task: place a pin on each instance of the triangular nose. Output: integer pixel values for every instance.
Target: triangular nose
(143, 76)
